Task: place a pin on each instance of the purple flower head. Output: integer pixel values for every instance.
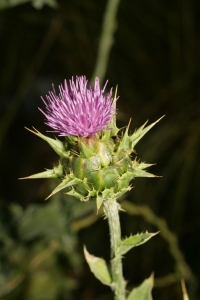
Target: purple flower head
(79, 110)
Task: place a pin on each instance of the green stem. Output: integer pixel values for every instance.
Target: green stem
(109, 27)
(111, 209)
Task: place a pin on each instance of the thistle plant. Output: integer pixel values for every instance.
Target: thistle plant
(96, 162)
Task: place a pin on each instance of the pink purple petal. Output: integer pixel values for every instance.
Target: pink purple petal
(79, 110)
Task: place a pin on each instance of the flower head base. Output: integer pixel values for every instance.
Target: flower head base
(79, 110)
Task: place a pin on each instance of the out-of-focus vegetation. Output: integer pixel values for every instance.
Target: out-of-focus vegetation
(4, 4)
(154, 60)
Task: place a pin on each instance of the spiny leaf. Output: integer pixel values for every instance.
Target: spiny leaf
(79, 196)
(114, 130)
(143, 292)
(141, 165)
(64, 184)
(99, 201)
(137, 169)
(85, 151)
(45, 174)
(75, 194)
(98, 267)
(139, 133)
(57, 145)
(56, 172)
(106, 134)
(142, 173)
(133, 241)
(125, 142)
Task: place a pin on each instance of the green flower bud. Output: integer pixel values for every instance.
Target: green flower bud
(97, 166)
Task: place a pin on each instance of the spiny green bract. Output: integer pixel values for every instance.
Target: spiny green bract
(99, 166)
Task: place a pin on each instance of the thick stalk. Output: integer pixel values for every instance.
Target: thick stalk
(112, 213)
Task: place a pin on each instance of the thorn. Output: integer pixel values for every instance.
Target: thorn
(23, 178)
(115, 96)
(152, 275)
(48, 197)
(35, 132)
(183, 287)
(143, 125)
(129, 123)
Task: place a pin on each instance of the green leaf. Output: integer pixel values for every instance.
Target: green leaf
(113, 125)
(139, 133)
(142, 165)
(133, 241)
(85, 151)
(68, 181)
(99, 201)
(125, 142)
(98, 267)
(141, 173)
(45, 174)
(56, 172)
(57, 145)
(137, 169)
(75, 194)
(143, 292)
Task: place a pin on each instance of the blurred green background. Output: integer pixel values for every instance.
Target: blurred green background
(151, 50)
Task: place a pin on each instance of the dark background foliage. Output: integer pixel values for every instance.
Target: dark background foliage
(154, 60)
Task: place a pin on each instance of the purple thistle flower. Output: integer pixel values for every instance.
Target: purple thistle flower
(79, 110)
